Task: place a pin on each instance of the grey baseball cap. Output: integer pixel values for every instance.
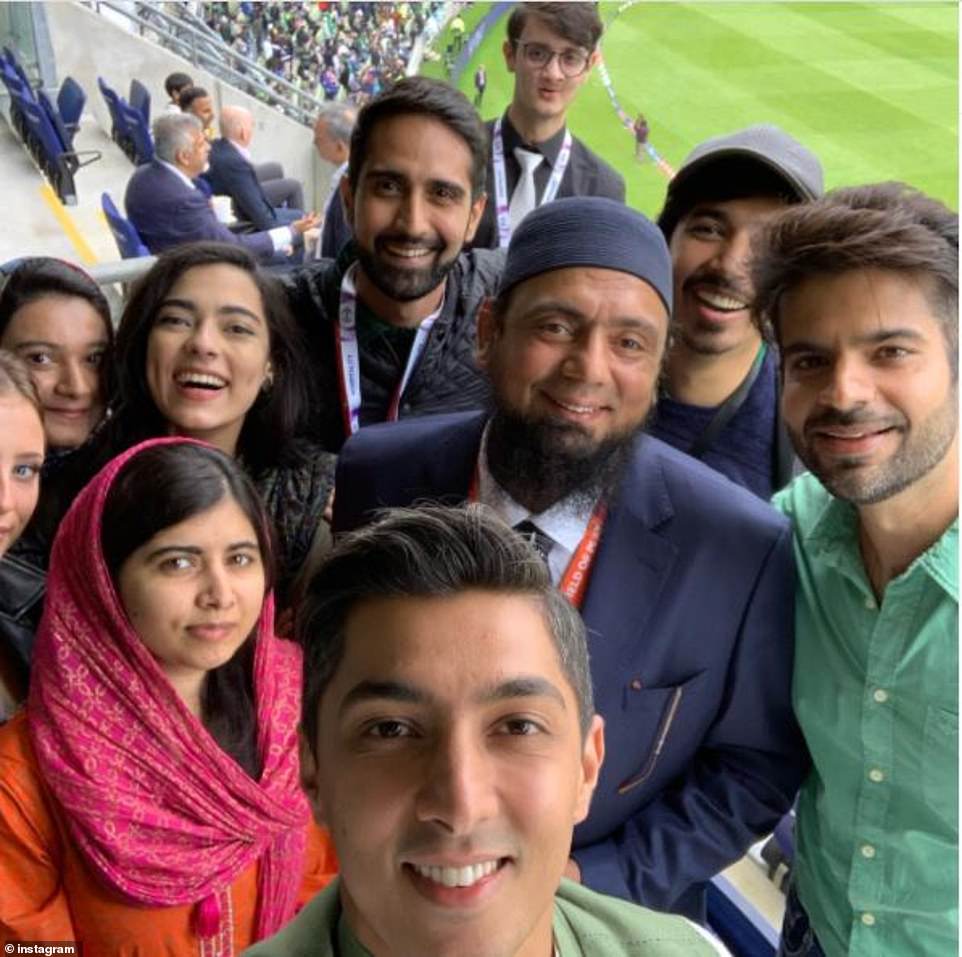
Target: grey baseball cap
(796, 166)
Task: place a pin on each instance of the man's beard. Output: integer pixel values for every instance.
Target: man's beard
(920, 451)
(539, 463)
(402, 285)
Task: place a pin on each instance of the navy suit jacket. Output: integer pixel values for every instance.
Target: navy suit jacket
(232, 175)
(167, 212)
(690, 614)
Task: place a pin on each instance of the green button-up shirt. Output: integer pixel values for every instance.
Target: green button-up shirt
(876, 695)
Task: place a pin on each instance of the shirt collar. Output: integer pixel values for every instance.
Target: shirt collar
(565, 522)
(184, 178)
(550, 149)
(246, 153)
(834, 534)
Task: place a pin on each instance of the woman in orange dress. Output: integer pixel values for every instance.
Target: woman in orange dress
(149, 797)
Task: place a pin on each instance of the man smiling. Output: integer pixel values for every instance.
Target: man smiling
(719, 401)
(862, 293)
(450, 744)
(682, 579)
(391, 322)
(551, 49)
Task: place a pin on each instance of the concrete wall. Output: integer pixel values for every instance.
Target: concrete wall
(87, 45)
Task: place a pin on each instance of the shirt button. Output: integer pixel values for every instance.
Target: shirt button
(868, 851)
(868, 920)
(635, 684)
(880, 695)
(870, 602)
(876, 775)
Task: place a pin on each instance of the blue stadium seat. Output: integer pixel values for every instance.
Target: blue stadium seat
(128, 241)
(70, 104)
(142, 143)
(119, 130)
(139, 99)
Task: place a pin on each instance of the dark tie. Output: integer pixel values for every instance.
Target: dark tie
(533, 535)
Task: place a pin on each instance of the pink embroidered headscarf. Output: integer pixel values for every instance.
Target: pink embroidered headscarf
(158, 809)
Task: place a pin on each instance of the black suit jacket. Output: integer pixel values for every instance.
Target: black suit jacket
(587, 174)
(690, 623)
(230, 174)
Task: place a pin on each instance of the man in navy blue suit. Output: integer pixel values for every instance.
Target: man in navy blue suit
(685, 580)
(167, 208)
(233, 174)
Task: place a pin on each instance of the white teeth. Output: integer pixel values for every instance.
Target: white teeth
(718, 301)
(200, 378)
(580, 409)
(456, 876)
(408, 252)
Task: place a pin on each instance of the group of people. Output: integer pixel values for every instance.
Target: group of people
(690, 552)
(331, 50)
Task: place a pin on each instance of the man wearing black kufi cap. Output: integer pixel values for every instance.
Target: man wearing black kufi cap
(683, 579)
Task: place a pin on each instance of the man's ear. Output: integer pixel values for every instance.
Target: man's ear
(309, 776)
(508, 49)
(474, 219)
(592, 757)
(593, 61)
(347, 199)
(487, 332)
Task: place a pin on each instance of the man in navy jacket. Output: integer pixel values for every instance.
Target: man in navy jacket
(167, 208)
(684, 579)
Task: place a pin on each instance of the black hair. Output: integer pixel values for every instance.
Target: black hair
(190, 94)
(276, 419)
(578, 23)
(37, 277)
(163, 486)
(421, 96)
(430, 552)
(176, 82)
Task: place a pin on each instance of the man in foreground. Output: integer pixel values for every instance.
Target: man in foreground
(719, 401)
(861, 290)
(391, 322)
(551, 49)
(683, 579)
(450, 744)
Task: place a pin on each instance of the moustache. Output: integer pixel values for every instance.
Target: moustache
(721, 282)
(404, 239)
(846, 418)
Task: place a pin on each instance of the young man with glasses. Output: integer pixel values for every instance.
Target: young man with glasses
(550, 49)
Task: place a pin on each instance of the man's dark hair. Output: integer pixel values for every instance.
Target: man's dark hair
(189, 95)
(578, 23)
(176, 82)
(276, 419)
(886, 226)
(430, 552)
(421, 96)
(723, 180)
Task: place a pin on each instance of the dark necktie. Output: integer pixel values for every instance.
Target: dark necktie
(540, 542)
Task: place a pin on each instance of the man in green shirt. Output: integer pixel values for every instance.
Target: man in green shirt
(449, 742)
(861, 292)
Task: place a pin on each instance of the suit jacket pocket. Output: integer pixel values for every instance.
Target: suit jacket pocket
(658, 708)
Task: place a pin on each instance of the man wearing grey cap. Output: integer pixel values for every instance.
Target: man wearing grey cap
(719, 397)
(682, 580)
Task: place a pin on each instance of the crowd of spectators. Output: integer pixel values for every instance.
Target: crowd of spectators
(329, 50)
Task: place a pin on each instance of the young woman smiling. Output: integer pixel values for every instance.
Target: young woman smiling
(149, 798)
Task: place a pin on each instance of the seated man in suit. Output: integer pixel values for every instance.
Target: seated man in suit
(684, 579)
(451, 772)
(167, 209)
(332, 140)
(233, 174)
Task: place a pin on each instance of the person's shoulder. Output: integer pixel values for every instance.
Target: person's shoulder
(407, 435)
(609, 182)
(804, 501)
(310, 934)
(587, 922)
(313, 282)
(480, 269)
(703, 493)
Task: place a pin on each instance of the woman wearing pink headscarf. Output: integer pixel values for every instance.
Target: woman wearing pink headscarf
(149, 798)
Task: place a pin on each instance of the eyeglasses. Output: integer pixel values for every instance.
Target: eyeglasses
(572, 62)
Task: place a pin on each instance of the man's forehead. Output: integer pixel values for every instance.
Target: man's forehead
(537, 29)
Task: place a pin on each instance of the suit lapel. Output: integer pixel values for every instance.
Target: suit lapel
(634, 560)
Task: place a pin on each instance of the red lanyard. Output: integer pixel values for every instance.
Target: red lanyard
(574, 581)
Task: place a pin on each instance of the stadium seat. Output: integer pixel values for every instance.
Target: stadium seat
(139, 99)
(70, 104)
(119, 130)
(128, 241)
(141, 142)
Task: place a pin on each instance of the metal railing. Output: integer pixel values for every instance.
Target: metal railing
(205, 49)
